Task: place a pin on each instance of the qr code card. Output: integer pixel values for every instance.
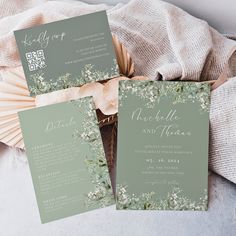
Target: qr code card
(36, 60)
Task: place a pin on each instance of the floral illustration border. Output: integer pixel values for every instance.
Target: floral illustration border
(38, 84)
(102, 194)
(180, 92)
(175, 200)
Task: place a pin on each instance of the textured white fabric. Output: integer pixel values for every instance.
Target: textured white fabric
(165, 43)
(15, 6)
(168, 43)
(223, 130)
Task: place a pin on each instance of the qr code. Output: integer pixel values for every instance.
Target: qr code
(36, 60)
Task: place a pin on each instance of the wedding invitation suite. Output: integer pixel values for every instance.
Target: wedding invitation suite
(162, 159)
(66, 158)
(67, 53)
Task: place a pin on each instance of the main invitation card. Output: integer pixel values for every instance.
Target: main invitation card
(66, 159)
(67, 53)
(163, 134)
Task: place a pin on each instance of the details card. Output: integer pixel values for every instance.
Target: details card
(67, 53)
(163, 134)
(66, 159)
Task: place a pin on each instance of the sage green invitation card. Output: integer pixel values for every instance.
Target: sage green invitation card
(67, 53)
(162, 159)
(66, 159)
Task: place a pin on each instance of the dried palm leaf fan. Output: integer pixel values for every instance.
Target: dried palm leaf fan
(14, 97)
(126, 65)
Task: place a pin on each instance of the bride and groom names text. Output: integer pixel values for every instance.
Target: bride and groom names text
(167, 123)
